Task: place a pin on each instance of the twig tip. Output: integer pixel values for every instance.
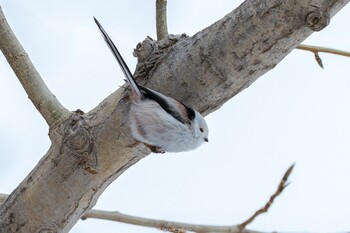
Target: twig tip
(318, 59)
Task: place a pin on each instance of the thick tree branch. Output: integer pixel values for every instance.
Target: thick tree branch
(161, 19)
(236, 50)
(46, 103)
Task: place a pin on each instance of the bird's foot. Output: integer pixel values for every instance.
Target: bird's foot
(155, 149)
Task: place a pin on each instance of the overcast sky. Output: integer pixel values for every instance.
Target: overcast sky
(297, 112)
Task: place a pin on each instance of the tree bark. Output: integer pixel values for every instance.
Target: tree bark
(89, 151)
(161, 19)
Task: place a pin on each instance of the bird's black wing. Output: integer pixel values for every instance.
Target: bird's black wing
(182, 113)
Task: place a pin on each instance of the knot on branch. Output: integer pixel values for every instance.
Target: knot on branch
(150, 51)
(78, 137)
(79, 141)
(317, 19)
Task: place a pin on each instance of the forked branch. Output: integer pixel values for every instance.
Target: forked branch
(317, 49)
(46, 103)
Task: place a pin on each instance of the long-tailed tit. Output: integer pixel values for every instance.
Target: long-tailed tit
(159, 121)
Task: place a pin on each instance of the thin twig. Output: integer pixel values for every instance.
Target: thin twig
(279, 190)
(161, 19)
(316, 50)
(46, 103)
(319, 60)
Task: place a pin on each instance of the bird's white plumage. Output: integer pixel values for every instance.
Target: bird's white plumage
(150, 124)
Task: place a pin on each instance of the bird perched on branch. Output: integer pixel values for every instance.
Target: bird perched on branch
(161, 122)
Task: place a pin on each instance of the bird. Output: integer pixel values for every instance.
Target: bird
(160, 122)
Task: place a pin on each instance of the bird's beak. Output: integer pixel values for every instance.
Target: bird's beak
(206, 139)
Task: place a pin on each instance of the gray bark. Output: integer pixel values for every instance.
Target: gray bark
(91, 150)
(161, 19)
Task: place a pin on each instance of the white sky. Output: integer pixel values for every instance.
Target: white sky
(297, 112)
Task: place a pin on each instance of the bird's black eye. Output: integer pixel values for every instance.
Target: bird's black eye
(201, 129)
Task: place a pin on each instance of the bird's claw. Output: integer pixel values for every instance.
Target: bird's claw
(155, 149)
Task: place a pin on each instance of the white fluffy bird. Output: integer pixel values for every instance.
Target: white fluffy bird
(161, 122)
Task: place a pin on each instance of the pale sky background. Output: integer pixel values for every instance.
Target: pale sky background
(297, 112)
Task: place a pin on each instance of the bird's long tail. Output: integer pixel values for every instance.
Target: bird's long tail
(129, 77)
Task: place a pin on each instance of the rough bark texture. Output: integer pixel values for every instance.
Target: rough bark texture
(91, 150)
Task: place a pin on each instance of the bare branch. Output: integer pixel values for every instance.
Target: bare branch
(161, 19)
(46, 103)
(316, 50)
(184, 227)
(159, 224)
(279, 190)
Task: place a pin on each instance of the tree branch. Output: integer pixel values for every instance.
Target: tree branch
(46, 103)
(184, 227)
(179, 226)
(161, 19)
(159, 224)
(279, 190)
(316, 49)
